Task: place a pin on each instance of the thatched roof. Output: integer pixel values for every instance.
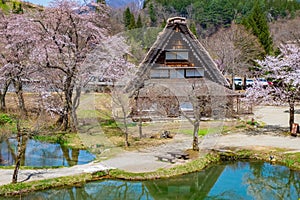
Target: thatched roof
(185, 87)
(176, 29)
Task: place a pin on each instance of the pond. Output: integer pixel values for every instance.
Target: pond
(40, 154)
(239, 180)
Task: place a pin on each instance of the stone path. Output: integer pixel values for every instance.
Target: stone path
(40, 174)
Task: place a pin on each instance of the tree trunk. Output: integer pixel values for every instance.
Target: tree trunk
(24, 145)
(75, 105)
(141, 127)
(195, 136)
(126, 132)
(2, 101)
(232, 79)
(124, 118)
(292, 114)
(65, 119)
(20, 138)
(3, 95)
(244, 82)
(19, 92)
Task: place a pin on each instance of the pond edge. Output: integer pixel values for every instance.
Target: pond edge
(214, 156)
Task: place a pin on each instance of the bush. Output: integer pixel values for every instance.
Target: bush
(5, 119)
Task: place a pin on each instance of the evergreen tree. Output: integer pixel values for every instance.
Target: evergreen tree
(14, 6)
(257, 23)
(139, 23)
(152, 14)
(20, 9)
(132, 22)
(127, 17)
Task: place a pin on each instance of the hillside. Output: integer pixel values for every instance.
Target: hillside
(8, 6)
(210, 15)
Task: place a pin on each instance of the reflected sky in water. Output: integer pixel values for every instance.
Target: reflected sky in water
(40, 154)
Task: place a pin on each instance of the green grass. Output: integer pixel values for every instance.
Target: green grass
(203, 132)
(71, 140)
(25, 187)
(110, 123)
(88, 113)
(5, 8)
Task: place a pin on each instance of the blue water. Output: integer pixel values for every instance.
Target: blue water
(39, 154)
(234, 181)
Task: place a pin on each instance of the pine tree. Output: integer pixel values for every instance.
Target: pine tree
(14, 7)
(132, 22)
(257, 23)
(139, 23)
(101, 1)
(152, 14)
(127, 17)
(20, 9)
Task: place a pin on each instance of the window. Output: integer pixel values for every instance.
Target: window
(177, 55)
(159, 73)
(179, 73)
(182, 55)
(171, 56)
(190, 73)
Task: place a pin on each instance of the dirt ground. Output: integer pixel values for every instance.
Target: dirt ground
(144, 160)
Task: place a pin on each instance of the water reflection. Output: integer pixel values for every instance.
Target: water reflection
(240, 180)
(40, 154)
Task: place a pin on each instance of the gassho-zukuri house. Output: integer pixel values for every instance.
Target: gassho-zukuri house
(178, 76)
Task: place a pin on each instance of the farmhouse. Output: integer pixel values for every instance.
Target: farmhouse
(176, 74)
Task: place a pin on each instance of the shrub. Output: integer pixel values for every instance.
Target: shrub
(5, 119)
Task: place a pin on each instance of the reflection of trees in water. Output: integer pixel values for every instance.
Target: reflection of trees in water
(272, 182)
(190, 186)
(260, 181)
(37, 153)
(110, 189)
(71, 155)
(48, 156)
(11, 151)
